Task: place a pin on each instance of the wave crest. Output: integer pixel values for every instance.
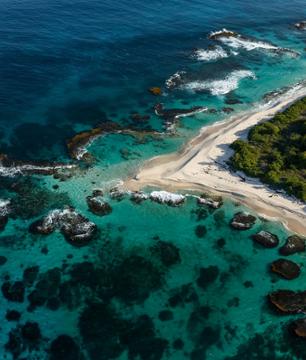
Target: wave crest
(222, 86)
(214, 53)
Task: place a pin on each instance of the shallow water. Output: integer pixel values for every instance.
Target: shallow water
(68, 66)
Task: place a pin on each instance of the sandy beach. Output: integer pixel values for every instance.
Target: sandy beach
(201, 165)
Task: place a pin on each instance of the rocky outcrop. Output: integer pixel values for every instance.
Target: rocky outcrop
(4, 212)
(212, 201)
(294, 244)
(288, 301)
(13, 291)
(298, 327)
(77, 229)
(171, 116)
(266, 239)
(300, 25)
(243, 221)
(157, 91)
(224, 33)
(286, 268)
(165, 197)
(138, 197)
(98, 206)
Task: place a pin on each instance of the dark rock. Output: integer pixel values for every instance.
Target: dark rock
(64, 348)
(234, 302)
(141, 340)
(300, 25)
(248, 284)
(3, 221)
(294, 244)
(289, 301)
(230, 101)
(298, 327)
(266, 239)
(207, 276)
(53, 304)
(227, 110)
(178, 344)
(100, 329)
(55, 187)
(167, 252)
(31, 331)
(135, 278)
(165, 315)
(13, 291)
(3, 260)
(286, 268)
(243, 221)
(139, 118)
(184, 295)
(155, 91)
(14, 344)
(221, 243)
(40, 227)
(98, 206)
(12, 315)
(200, 231)
(30, 275)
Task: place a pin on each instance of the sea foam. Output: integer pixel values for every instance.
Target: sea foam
(210, 54)
(222, 86)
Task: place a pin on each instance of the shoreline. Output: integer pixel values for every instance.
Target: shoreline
(201, 166)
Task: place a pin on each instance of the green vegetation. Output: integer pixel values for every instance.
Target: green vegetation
(276, 151)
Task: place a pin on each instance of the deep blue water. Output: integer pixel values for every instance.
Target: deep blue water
(66, 66)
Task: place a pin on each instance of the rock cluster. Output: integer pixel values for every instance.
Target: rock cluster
(300, 25)
(288, 301)
(77, 229)
(97, 205)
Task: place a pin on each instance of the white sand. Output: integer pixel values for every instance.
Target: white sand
(201, 165)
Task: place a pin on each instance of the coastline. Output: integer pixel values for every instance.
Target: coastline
(201, 166)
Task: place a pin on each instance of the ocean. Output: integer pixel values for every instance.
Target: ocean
(156, 281)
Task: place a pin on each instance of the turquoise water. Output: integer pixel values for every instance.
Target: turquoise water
(68, 66)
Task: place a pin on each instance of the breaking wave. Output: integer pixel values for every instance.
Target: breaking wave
(222, 86)
(238, 41)
(212, 54)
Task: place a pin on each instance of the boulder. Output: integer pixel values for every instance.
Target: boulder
(12, 315)
(288, 301)
(286, 268)
(64, 348)
(213, 202)
(138, 197)
(98, 206)
(157, 91)
(294, 244)
(266, 239)
(300, 25)
(13, 291)
(298, 327)
(243, 221)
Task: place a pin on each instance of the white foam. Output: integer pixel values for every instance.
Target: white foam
(210, 54)
(222, 86)
(174, 79)
(11, 171)
(4, 207)
(167, 197)
(237, 41)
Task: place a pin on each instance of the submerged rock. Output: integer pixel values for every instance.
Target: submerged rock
(286, 268)
(167, 252)
(207, 276)
(77, 229)
(227, 110)
(298, 327)
(183, 295)
(12, 315)
(64, 348)
(13, 291)
(165, 197)
(266, 239)
(243, 221)
(294, 244)
(98, 206)
(288, 301)
(31, 331)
